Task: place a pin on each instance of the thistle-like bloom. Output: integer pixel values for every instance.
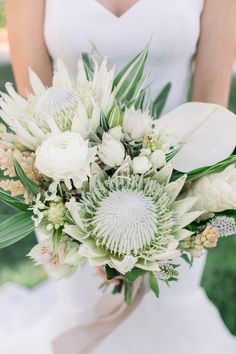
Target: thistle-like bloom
(226, 225)
(128, 221)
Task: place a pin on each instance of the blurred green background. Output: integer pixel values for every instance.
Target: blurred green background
(219, 279)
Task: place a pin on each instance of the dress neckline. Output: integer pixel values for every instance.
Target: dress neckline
(123, 15)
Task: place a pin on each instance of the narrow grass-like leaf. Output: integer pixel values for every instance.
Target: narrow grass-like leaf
(115, 116)
(154, 284)
(15, 228)
(27, 183)
(88, 66)
(57, 235)
(128, 80)
(159, 103)
(203, 171)
(13, 201)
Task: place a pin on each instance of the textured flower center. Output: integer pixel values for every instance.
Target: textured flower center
(59, 103)
(125, 221)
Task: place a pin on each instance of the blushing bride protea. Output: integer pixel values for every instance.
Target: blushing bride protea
(131, 221)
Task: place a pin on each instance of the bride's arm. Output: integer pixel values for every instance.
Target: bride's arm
(216, 52)
(25, 21)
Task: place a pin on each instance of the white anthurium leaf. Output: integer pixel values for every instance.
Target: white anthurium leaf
(36, 84)
(207, 131)
(188, 218)
(183, 205)
(183, 234)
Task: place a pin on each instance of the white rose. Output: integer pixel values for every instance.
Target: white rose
(216, 192)
(136, 123)
(111, 151)
(116, 132)
(141, 164)
(64, 157)
(158, 158)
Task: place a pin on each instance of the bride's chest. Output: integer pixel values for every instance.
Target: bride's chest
(73, 26)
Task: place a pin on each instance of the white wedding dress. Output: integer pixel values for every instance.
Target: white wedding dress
(182, 321)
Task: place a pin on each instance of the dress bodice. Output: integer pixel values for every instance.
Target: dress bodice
(171, 26)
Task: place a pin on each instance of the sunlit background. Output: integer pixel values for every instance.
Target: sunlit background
(219, 279)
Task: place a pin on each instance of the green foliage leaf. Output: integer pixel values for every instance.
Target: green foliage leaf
(56, 238)
(159, 103)
(115, 116)
(203, 171)
(88, 66)
(13, 201)
(154, 284)
(27, 183)
(111, 272)
(134, 274)
(188, 259)
(129, 82)
(15, 228)
(128, 292)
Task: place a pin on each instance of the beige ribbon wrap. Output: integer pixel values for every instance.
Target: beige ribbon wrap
(110, 311)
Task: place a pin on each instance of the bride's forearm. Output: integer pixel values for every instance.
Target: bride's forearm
(25, 22)
(216, 52)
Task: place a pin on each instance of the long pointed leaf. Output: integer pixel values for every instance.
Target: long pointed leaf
(159, 103)
(126, 82)
(15, 228)
(13, 201)
(27, 183)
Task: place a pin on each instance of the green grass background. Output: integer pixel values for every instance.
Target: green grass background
(219, 279)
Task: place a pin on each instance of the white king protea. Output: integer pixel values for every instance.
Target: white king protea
(128, 221)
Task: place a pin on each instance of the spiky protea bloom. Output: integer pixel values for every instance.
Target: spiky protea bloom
(67, 105)
(132, 220)
(59, 104)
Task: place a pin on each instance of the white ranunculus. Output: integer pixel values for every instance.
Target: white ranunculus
(64, 157)
(216, 192)
(158, 159)
(116, 132)
(141, 164)
(111, 151)
(136, 123)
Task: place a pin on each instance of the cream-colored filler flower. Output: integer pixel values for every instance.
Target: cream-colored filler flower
(131, 221)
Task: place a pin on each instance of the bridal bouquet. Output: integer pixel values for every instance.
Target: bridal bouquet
(88, 163)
